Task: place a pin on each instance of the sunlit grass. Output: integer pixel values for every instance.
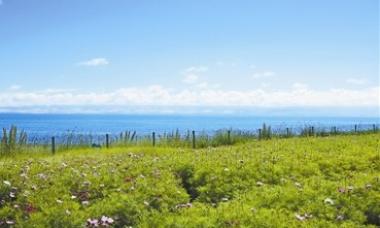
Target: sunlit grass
(330, 181)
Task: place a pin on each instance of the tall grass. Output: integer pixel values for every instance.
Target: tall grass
(13, 141)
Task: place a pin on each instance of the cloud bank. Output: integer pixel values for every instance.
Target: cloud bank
(156, 95)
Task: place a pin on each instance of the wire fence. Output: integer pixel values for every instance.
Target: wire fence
(14, 141)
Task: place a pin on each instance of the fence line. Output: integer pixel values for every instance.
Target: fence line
(11, 141)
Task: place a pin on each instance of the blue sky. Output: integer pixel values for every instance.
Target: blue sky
(171, 53)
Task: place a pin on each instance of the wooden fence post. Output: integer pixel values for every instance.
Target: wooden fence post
(312, 131)
(107, 141)
(193, 133)
(154, 139)
(287, 132)
(53, 145)
(356, 128)
(374, 127)
(229, 136)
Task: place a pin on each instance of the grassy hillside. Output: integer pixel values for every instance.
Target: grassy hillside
(296, 182)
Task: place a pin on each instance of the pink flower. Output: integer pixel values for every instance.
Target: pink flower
(92, 222)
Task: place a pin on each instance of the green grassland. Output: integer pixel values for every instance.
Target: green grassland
(329, 181)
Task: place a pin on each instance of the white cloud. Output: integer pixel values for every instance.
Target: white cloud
(300, 86)
(356, 81)
(264, 74)
(195, 69)
(95, 62)
(190, 78)
(203, 95)
(191, 74)
(14, 87)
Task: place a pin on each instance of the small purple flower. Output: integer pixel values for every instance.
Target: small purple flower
(92, 222)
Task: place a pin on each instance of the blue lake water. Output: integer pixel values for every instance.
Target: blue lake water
(55, 124)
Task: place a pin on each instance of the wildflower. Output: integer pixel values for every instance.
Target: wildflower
(340, 217)
(106, 220)
(12, 195)
(259, 183)
(64, 165)
(85, 203)
(368, 186)
(59, 201)
(298, 185)
(350, 188)
(226, 170)
(29, 208)
(224, 199)
(73, 197)
(10, 222)
(92, 222)
(300, 217)
(341, 190)
(7, 183)
(303, 217)
(42, 176)
(16, 206)
(329, 201)
(146, 203)
(67, 212)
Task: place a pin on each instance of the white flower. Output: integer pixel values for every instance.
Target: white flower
(303, 217)
(42, 176)
(106, 220)
(329, 201)
(7, 183)
(59, 201)
(10, 222)
(259, 183)
(300, 217)
(85, 203)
